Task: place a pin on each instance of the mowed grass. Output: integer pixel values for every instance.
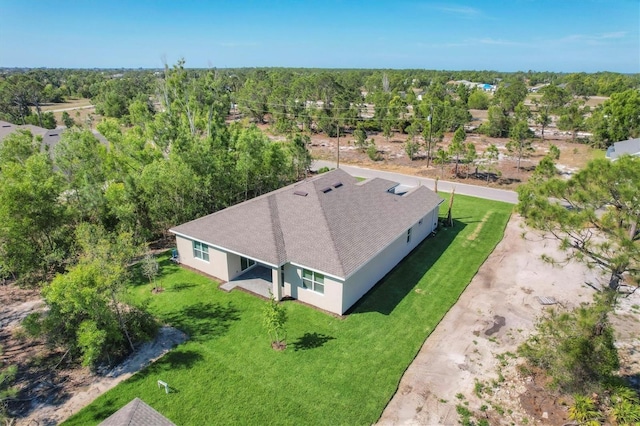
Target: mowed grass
(334, 371)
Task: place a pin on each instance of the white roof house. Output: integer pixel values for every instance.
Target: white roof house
(631, 147)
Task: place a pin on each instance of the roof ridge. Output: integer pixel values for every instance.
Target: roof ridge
(329, 228)
(276, 227)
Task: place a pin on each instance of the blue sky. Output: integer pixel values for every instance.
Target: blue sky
(509, 35)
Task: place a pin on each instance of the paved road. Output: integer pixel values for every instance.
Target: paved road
(70, 109)
(443, 185)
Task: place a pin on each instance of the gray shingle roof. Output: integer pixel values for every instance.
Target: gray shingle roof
(335, 232)
(136, 413)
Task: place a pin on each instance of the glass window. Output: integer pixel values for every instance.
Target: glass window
(313, 281)
(246, 263)
(408, 235)
(200, 251)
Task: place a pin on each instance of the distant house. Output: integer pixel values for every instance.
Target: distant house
(137, 413)
(631, 147)
(50, 137)
(536, 89)
(325, 241)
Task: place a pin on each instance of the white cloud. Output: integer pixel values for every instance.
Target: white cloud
(459, 10)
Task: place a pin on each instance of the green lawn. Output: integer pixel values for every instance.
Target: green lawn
(334, 371)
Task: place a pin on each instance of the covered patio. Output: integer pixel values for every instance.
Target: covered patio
(257, 280)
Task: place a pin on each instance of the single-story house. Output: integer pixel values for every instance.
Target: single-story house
(326, 241)
(631, 147)
(136, 413)
(50, 137)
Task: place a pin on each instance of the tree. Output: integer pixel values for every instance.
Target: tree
(457, 147)
(150, 269)
(498, 123)
(490, 157)
(274, 319)
(361, 137)
(510, 93)
(81, 159)
(411, 148)
(594, 215)
(572, 119)
(520, 141)
(554, 97)
(87, 310)
(617, 119)
(34, 238)
(67, 120)
(478, 99)
(442, 158)
(543, 118)
(576, 348)
(470, 155)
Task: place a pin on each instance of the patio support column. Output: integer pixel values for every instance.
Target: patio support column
(276, 286)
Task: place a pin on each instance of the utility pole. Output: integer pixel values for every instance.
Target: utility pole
(338, 130)
(430, 119)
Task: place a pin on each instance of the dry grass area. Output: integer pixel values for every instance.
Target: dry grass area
(573, 156)
(79, 109)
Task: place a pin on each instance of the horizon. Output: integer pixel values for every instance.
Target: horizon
(161, 68)
(524, 35)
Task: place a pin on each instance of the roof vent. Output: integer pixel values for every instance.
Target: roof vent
(301, 193)
(6, 125)
(327, 189)
(53, 134)
(337, 184)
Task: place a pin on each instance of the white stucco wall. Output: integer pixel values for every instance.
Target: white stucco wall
(373, 271)
(330, 300)
(216, 266)
(233, 263)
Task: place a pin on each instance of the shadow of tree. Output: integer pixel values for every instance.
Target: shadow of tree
(180, 286)
(311, 341)
(204, 319)
(178, 359)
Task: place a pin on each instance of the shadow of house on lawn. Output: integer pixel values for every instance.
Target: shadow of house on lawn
(402, 279)
(204, 320)
(311, 341)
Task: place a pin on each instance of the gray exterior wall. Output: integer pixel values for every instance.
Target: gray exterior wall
(366, 277)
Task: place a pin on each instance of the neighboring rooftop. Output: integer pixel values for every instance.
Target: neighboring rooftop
(136, 413)
(330, 222)
(50, 137)
(631, 147)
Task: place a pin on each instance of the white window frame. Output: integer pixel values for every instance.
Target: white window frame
(313, 281)
(201, 251)
(408, 235)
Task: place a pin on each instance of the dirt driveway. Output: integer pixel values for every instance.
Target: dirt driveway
(494, 315)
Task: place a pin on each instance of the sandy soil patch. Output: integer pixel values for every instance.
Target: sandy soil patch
(494, 315)
(573, 157)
